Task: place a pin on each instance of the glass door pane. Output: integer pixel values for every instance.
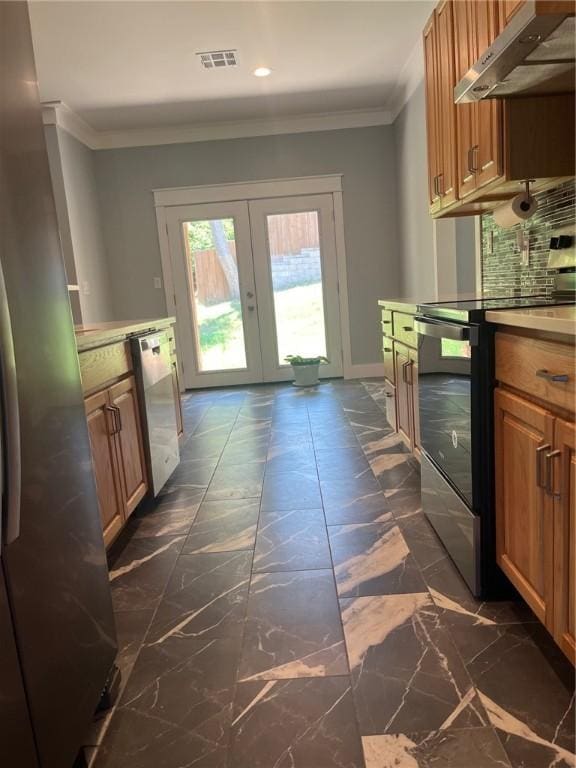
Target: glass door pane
(297, 287)
(215, 294)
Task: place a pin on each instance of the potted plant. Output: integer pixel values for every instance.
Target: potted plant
(305, 369)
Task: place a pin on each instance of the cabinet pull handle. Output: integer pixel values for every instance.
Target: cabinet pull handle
(539, 452)
(471, 166)
(405, 367)
(440, 189)
(112, 409)
(410, 368)
(408, 328)
(404, 379)
(550, 471)
(386, 349)
(436, 192)
(556, 377)
(119, 413)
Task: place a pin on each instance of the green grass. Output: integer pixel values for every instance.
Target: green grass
(299, 320)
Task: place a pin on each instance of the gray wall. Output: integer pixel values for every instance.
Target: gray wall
(365, 157)
(415, 228)
(78, 210)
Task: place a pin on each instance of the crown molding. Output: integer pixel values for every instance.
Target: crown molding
(410, 77)
(57, 113)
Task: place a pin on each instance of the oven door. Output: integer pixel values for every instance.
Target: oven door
(444, 392)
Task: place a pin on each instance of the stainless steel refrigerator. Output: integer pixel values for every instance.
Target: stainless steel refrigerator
(57, 636)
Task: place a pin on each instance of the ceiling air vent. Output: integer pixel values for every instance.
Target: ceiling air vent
(218, 59)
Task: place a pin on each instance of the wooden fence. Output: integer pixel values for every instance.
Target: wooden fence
(287, 233)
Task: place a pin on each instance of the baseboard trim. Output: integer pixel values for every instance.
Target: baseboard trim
(365, 371)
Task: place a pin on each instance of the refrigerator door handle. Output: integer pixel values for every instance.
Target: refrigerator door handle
(12, 479)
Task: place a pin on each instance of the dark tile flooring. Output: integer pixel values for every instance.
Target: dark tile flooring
(286, 605)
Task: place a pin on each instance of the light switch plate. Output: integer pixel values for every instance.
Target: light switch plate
(157, 282)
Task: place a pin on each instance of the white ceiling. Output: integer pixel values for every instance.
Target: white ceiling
(130, 64)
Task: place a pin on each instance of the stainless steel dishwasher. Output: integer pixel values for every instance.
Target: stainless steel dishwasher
(152, 359)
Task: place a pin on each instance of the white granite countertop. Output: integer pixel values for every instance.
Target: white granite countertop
(560, 319)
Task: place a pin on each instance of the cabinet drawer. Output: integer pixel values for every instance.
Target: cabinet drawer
(403, 328)
(388, 355)
(387, 322)
(528, 364)
(104, 364)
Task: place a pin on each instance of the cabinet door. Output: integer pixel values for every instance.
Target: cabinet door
(431, 84)
(403, 392)
(465, 113)
(101, 430)
(563, 482)
(177, 401)
(508, 8)
(129, 443)
(388, 355)
(413, 379)
(486, 154)
(524, 511)
(446, 106)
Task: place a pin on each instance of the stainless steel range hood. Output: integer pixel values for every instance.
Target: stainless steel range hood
(533, 55)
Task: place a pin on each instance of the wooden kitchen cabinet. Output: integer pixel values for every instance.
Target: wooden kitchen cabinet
(563, 483)
(440, 108)
(524, 434)
(100, 419)
(130, 447)
(535, 472)
(117, 453)
(399, 343)
(404, 407)
(479, 155)
(507, 9)
(413, 382)
(479, 145)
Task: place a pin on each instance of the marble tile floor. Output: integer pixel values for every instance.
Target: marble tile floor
(285, 604)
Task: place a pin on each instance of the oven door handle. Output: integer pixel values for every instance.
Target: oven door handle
(446, 330)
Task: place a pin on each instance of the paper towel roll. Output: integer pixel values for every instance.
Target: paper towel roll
(518, 209)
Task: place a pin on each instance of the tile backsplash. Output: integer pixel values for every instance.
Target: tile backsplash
(503, 273)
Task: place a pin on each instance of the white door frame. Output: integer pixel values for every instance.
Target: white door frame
(164, 199)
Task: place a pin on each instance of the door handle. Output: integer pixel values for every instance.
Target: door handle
(539, 454)
(550, 457)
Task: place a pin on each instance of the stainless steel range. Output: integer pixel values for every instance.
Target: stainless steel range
(455, 390)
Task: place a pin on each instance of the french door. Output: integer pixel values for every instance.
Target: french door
(254, 281)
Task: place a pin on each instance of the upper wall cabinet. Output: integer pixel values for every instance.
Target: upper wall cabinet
(480, 154)
(440, 110)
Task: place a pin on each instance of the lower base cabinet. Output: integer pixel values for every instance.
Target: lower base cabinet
(117, 453)
(535, 460)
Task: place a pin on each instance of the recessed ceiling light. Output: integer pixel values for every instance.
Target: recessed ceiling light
(262, 72)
